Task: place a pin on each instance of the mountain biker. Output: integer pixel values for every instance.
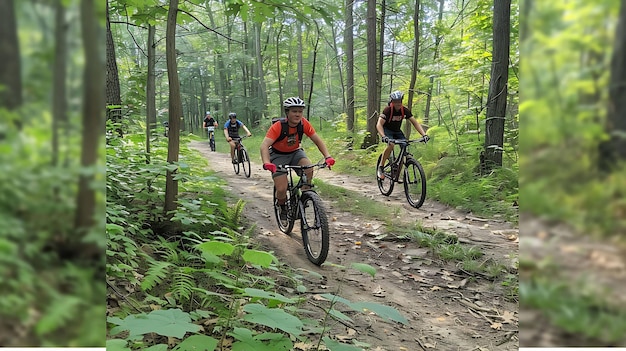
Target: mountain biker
(389, 123)
(231, 131)
(280, 148)
(209, 123)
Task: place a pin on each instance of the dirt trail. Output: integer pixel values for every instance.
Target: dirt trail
(445, 310)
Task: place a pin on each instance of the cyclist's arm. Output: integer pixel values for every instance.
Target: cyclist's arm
(379, 126)
(417, 126)
(265, 149)
(226, 131)
(246, 129)
(215, 123)
(320, 144)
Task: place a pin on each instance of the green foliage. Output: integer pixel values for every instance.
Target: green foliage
(172, 322)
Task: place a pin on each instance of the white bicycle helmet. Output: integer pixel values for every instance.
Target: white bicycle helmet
(396, 95)
(293, 102)
(208, 112)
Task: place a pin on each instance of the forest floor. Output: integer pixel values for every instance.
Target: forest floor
(446, 308)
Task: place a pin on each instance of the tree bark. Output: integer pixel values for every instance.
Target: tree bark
(373, 98)
(150, 90)
(11, 96)
(614, 149)
(497, 98)
(414, 66)
(59, 92)
(113, 95)
(348, 38)
(93, 116)
(175, 108)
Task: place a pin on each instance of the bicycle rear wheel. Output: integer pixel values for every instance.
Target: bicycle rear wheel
(236, 163)
(285, 226)
(314, 227)
(212, 143)
(414, 183)
(245, 162)
(385, 185)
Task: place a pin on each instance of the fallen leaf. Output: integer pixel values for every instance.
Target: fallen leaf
(508, 317)
(379, 292)
(496, 326)
(435, 288)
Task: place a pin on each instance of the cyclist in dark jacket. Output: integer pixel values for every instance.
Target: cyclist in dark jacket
(231, 131)
(390, 122)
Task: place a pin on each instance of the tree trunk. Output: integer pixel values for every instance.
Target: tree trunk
(381, 62)
(614, 149)
(150, 91)
(175, 108)
(373, 99)
(59, 73)
(310, 97)
(11, 96)
(261, 80)
(93, 116)
(278, 74)
(497, 98)
(415, 65)
(300, 61)
(113, 95)
(348, 38)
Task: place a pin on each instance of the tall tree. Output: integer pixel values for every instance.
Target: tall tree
(348, 38)
(615, 148)
(150, 89)
(113, 95)
(497, 97)
(59, 75)
(93, 115)
(175, 107)
(373, 98)
(414, 66)
(10, 80)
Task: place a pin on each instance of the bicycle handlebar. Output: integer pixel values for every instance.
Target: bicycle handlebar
(285, 167)
(404, 141)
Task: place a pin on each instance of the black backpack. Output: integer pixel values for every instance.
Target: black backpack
(285, 129)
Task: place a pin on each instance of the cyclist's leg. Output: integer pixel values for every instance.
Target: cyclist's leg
(232, 149)
(300, 159)
(280, 176)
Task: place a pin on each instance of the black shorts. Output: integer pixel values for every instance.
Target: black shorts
(394, 135)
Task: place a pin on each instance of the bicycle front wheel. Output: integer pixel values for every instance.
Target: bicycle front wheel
(245, 163)
(414, 183)
(284, 225)
(314, 227)
(385, 185)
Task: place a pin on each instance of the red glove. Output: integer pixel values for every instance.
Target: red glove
(270, 167)
(330, 161)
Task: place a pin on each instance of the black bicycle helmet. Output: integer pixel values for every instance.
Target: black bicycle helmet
(396, 95)
(293, 102)
(232, 114)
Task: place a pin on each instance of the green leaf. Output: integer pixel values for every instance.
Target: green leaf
(264, 342)
(273, 318)
(385, 312)
(158, 347)
(172, 322)
(117, 345)
(197, 342)
(364, 268)
(261, 258)
(333, 345)
(216, 248)
(267, 295)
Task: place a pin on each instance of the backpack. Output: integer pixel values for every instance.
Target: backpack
(285, 129)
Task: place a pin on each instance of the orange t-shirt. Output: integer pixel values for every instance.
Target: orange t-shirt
(291, 142)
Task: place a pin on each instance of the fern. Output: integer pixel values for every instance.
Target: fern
(233, 214)
(183, 284)
(155, 274)
(58, 313)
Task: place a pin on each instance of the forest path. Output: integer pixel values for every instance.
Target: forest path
(445, 309)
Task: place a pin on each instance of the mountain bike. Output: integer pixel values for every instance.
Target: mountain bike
(211, 132)
(241, 156)
(308, 207)
(413, 176)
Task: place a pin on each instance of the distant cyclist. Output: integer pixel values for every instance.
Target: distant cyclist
(209, 123)
(281, 146)
(231, 131)
(389, 124)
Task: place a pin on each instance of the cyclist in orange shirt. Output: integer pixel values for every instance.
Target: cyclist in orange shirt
(281, 146)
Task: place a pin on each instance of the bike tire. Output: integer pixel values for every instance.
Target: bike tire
(284, 226)
(314, 227)
(385, 185)
(236, 164)
(245, 162)
(414, 183)
(212, 144)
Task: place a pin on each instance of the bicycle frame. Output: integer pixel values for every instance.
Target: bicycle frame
(403, 155)
(294, 190)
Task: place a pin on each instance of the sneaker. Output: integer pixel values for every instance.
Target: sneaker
(379, 172)
(282, 212)
(235, 161)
